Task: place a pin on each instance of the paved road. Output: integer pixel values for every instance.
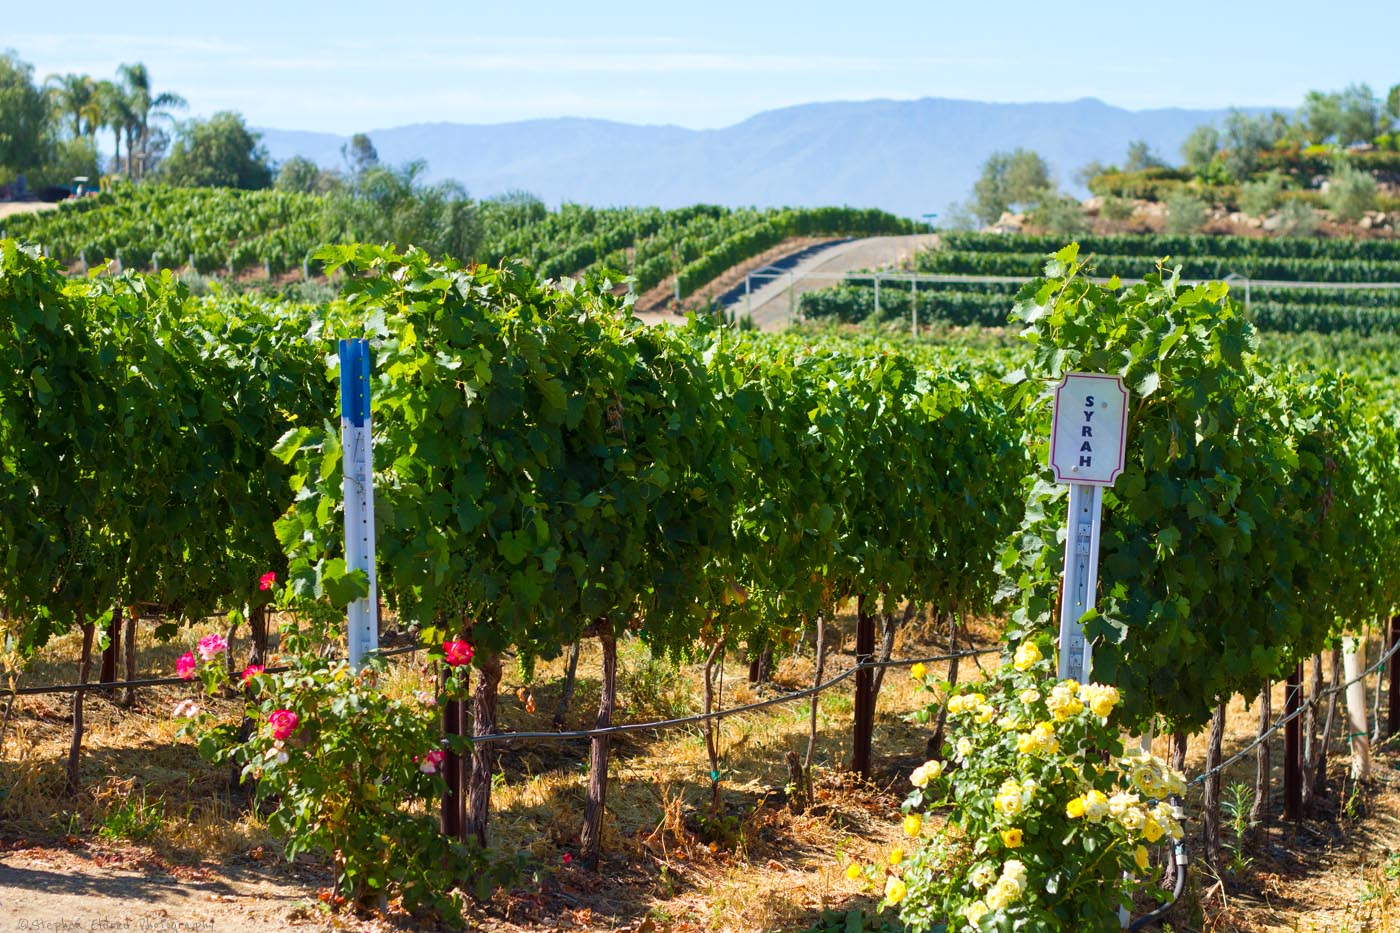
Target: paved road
(772, 300)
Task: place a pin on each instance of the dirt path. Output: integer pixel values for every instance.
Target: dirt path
(120, 889)
(22, 207)
(773, 302)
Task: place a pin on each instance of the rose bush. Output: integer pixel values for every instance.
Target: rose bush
(1048, 819)
(351, 771)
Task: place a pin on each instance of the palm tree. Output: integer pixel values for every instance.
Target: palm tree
(113, 114)
(72, 95)
(144, 107)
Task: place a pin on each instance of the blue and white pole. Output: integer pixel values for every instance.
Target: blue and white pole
(358, 489)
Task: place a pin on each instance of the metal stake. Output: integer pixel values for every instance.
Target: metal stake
(358, 489)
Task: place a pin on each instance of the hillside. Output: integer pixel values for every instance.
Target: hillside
(908, 157)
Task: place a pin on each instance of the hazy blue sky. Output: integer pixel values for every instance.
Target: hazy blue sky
(358, 66)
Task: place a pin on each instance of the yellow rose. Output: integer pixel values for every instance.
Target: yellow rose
(853, 871)
(974, 912)
(1152, 830)
(1011, 838)
(1075, 808)
(913, 824)
(896, 856)
(919, 671)
(1140, 856)
(928, 771)
(895, 890)
(1026, 656)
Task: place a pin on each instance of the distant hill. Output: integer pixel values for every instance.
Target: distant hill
(908, 157)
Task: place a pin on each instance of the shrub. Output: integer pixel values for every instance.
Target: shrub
(1048, 819)
(1297, 218)
(1117, 209)
(1061, 217)
(349, 771)
(1260, 197)
(1350, 193)
(1186, 213)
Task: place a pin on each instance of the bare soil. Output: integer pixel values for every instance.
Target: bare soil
(659, 303)
(23, 207)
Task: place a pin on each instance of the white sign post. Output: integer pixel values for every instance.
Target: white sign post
(358, 488)
(1087, 444)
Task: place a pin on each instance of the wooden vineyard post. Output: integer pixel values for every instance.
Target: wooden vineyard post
(75, 749)
(454, 804)
(108, 672)
(1088, 440)
(865, 691)
(595, 804)
(1392, 713)
(1293, 746)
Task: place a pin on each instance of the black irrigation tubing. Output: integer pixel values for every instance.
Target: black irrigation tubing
(1302, 708)
(732, 711)
(161, 681)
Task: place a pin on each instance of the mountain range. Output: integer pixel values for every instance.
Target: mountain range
(910, 157)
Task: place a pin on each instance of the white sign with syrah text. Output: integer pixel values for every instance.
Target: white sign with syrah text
(1090, 431)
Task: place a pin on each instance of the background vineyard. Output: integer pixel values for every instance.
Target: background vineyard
(223, 230)
(1270, 308)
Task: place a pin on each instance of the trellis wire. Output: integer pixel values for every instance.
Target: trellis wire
(1312, 702)
(736, 710)
(159, 681)
(733, 710)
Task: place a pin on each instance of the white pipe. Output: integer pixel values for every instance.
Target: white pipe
(1353, 650)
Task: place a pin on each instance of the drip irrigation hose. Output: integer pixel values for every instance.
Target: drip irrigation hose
(1179, 855)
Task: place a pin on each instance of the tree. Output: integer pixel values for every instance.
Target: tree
(1088, 172)
(1141, 156)
(394, 205)
(112, 113)
(144, 106)
(1061, 216)
(1246, 136)
(304, 176)
(1201, 148)
(1392, 103)
(1360, 115)
(359, 154)
(72, 94)
(1320, 115)
(218, 152)
(26, 138)
(1351, 116)
(1009, 179)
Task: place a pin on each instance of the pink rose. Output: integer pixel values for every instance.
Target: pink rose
(211, 646)
(185, 666)
(457, 653)
(251, 671)
(283, 722)
(266, 581)
(432, 761)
